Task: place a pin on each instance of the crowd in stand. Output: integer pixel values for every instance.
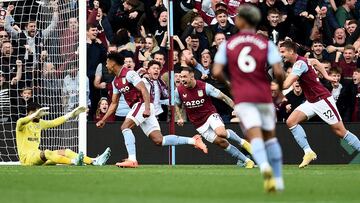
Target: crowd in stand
(326, 30)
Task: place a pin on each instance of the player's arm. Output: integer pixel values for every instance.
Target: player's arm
(135, 79)
(290, 79)
(320, 67)
(216, 93)
(112, 108)
(274, 59)
(177, 101)
(37, 114)
(61, 120)
(220, 62)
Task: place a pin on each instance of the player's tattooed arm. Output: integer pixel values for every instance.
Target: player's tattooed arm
(180, 120)
(320, 67)
(226, 99)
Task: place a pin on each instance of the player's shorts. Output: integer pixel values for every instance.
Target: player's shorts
(326, 109)
(207, 130)
(32, 158)
(148, 124)
(256, 115)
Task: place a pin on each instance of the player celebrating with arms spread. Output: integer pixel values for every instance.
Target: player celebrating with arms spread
(142, 113)
(28, 136)
(195, 95)
(247, 55)
(319, 102)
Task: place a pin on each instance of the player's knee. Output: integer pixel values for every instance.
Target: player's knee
(221, 142)
(221, 133)
(157, 140)
(290, 122)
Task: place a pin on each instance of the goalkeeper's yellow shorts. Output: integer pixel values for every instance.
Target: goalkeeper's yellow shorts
(32, 158)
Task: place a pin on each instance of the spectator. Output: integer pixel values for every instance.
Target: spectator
(343, 13)
(5, 102)
(69, 40)
(223, 25)
(279, 101)
(11, 66)
(30, 39)
(197, 27)
(356, 78)
(218, 39)
(158, 89)
(3, 37)
(102, 108)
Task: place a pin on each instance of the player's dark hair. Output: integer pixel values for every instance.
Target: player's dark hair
(188, 69)
(289, 45)
(118, 58)
(153, 62)
(32, 106)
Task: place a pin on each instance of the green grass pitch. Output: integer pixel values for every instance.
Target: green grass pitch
(161, 183)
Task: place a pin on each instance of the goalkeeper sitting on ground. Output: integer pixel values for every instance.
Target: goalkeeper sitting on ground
(28, 136)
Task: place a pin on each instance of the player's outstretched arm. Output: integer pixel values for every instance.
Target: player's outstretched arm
(320, 67)
(226, 99)
(38, 114)
(112, 108)
(61, 120)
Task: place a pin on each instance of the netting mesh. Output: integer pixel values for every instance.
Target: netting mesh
(43, 43)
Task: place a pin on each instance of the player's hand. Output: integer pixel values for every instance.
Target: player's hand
(331, 79)
(146, 113)
(100, 124)
(41, 112)
(180, 122)
(80, 109)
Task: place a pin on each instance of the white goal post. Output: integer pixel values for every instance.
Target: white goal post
(53, 70)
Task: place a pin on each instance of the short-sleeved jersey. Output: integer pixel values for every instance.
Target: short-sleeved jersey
(313, 90)
(125, 84)
(247, 55)
(28, 136)
(197, 101)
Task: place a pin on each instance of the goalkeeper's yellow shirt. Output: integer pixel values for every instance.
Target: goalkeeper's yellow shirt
(28, 134)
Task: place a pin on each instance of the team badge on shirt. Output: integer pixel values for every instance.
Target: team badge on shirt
(200, 93)
(124, 81)
(184, 95)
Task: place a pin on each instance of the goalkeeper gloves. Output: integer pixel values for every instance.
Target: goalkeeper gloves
(40, 113)
(74, 113)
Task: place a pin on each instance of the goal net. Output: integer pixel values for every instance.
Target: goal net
(39, 62)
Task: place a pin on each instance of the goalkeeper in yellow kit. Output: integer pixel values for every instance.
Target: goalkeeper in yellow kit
(28, 136)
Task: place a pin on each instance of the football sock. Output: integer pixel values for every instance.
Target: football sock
(259, 153)
(235, 152)
(231, 135)
(72, 155)
(274, 154)
(352, 140)
(56, 158)
(300, 137)
(177, 140)
(129, 139)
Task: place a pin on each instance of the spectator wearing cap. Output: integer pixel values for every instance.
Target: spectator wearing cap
(223, 24)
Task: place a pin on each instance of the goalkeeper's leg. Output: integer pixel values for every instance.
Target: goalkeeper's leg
(72, 155)
(58, 158)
